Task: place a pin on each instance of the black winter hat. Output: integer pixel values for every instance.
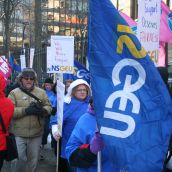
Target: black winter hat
(28, 72)
(48, 80)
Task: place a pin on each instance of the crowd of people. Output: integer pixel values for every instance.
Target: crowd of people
(30, 113)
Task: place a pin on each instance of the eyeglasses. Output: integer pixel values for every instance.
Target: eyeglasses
(28, 78)
(81, 90)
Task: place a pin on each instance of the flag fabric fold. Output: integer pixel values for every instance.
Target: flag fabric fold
(131, 101)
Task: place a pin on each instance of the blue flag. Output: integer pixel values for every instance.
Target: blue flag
(132, 103)
(14, 65)
(80, 72)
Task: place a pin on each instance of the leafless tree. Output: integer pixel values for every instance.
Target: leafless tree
(8, 9)
(38, 23)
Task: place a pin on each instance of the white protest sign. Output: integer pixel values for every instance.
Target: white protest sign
(60, 88)
(32, 51)
(23, 61)
(49, 60)
(148, 27)
(61, 55)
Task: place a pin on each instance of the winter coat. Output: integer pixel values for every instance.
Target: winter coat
(82, 135)
(28, 125)
(6, 110)
(71, 113)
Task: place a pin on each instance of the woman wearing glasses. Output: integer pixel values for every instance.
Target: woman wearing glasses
(75, 105)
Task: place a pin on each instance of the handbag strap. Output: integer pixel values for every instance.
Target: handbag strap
(2, 123)
(31, 95)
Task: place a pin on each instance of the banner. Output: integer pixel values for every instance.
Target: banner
(23, 61)
(166, 24)
(32, 51)
(162, 54)
(132, 103)
(60, 88)
(5, 67)
(62, 54)
(79, 72)
(148, 27)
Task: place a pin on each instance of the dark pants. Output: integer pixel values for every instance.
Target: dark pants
(2, 157)
(46, 130)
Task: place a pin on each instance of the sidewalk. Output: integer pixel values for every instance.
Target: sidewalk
(49, 162)
(46, 165)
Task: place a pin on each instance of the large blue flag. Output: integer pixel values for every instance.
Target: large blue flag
(80, 72)
(133, 106)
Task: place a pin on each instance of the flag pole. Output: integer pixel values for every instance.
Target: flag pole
(99, 162)
(59, 76)
(57, 162)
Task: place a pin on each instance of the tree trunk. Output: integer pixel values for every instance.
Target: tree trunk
(38, 24)
(7, 27)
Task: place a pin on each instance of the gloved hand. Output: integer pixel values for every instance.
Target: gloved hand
(55, 132)
(96, 143)
(35, 109)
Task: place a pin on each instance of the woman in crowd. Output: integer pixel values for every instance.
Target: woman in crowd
(84, 144)
(6, 112)
(75, 105)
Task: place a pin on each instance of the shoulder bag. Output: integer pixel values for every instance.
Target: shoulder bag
(11, 152)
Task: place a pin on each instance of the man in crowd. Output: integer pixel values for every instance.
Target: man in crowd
(31, 106)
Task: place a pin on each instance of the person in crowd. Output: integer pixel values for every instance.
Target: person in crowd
(6, 112)
(75, 105)
(84, 144)
(31, 106)
(53, 118)
(12, 85)
(48, 87)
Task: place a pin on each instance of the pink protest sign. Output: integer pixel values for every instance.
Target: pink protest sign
(5, 67)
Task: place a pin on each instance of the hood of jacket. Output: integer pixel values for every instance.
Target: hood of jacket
(75, 83)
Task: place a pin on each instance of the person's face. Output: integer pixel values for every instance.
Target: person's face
(27, 82)
(48, 86)
(81, 92)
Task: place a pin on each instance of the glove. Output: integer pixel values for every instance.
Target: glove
(55, 132)
(35, 109)
(54, 110)
(96, 143)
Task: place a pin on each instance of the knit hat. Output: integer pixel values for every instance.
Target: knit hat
(48, 80)
(28, 72)
(72, 86)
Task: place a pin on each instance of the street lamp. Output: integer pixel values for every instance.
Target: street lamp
(23, 34)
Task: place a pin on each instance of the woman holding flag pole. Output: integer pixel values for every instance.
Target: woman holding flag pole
(75, 105)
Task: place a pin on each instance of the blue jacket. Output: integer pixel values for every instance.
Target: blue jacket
(82, 134)
(71, 113)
